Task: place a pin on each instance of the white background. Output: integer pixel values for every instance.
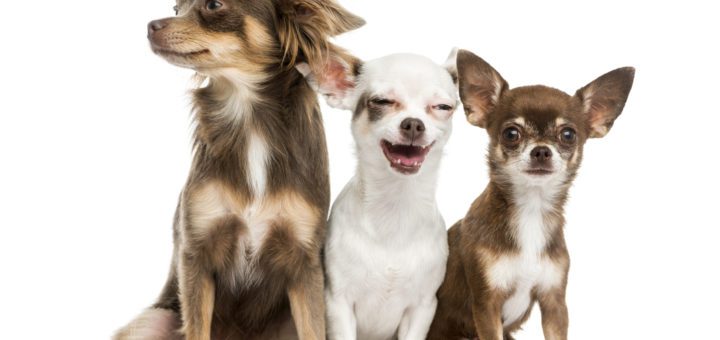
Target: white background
(95, 147)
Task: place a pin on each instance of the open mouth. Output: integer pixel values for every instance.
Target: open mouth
(406, 159)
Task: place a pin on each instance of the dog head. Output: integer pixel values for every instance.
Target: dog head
(250, 35)
(402, 107)
(537, 133)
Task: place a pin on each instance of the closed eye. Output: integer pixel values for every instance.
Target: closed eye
(382, 101)
(443, 107)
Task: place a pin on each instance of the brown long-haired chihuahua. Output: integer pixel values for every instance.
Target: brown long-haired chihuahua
(251, 219)
(509, 251)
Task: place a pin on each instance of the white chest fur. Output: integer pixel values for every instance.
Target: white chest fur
(257, 156)
(520, 274)
(383, 263)
(530, 268)
(238, 93)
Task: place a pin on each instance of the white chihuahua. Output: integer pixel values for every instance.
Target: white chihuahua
(386, 249)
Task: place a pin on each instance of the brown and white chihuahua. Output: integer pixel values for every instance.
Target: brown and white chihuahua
(250, 223)
(509, 251)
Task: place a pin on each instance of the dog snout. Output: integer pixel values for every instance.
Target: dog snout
(541, 154)
(412, 128)
(156, 25)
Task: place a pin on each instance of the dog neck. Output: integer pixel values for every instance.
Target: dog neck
(234, 92)
(243, 124)
(232, 102)
(535, 212)
(382, 188)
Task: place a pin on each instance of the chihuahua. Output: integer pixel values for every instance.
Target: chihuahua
(251, 220)
(509, 251)
(386, 250)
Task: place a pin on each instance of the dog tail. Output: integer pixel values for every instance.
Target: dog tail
(152, 324)
(162, 321)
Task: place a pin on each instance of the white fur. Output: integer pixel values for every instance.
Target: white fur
(239, 95)
(387, 249)
(153, 323)
(257, 157)
(529, 269)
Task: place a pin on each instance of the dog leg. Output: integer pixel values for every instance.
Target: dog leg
(197, 297)
(416, 321)
(209, 244)
(487, 313)
(486, 302)
(554, 314)
(342, 324)
(202, 254)
(307, 303)
(291, 248)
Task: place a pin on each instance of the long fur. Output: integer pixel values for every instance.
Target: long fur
(250, 223)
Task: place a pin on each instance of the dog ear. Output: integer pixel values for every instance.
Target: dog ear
(305, 27)
(480, 87)
(335, 82)
(451, 65)
(604, 98)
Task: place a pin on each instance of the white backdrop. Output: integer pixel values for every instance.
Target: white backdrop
(95, 147)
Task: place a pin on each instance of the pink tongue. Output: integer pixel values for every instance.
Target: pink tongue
(409, 160)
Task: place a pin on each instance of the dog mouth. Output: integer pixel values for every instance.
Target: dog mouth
(173, 53)
(539, 171)
(405, 158)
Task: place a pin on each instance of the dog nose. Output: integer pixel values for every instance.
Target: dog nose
(412, 128)
(156, 25)
(541, 154)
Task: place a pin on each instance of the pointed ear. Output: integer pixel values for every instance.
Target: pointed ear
(604, 98)
(335, 82)
(451, 65)
(480, 87)
(305, 27)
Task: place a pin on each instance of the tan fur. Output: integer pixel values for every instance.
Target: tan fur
(159, 324)
(303, 216)
(307, 34)
(304, 305)
(197, 321)
(251, 220)
(213, 201)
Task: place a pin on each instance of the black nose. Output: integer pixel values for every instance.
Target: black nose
(541, 154)
(412, 128)
(156, 25)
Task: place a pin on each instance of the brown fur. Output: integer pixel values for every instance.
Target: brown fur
(304, 36)
(222, 285)
(469, 306)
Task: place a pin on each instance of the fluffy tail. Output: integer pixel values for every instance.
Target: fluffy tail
(152, 324)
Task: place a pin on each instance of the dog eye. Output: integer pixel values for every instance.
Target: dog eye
(511, 134)
(443, 107)
(213, 5)
(382, 101)
(568, 135)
